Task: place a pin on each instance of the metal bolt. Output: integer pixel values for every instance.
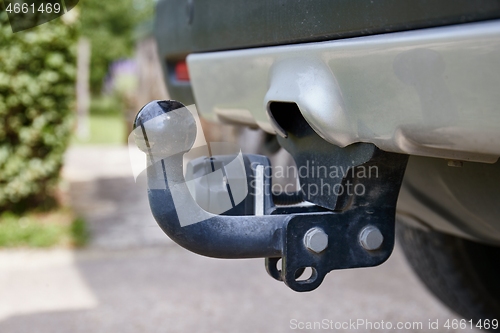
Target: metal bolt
(316, 240)
(371, 238)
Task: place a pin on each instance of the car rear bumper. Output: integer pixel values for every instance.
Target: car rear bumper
(430, 92)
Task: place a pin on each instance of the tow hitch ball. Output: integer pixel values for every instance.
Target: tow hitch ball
(225, 206)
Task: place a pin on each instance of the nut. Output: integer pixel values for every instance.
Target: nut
(316, 240)
(371, 238)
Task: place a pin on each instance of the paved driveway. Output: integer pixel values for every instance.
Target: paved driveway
(133, 279)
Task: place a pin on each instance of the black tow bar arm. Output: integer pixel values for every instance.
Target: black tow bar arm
(340, 230)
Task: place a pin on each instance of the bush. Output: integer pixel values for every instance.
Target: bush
(37, 93)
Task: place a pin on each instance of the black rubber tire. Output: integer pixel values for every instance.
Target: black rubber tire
(463, 274)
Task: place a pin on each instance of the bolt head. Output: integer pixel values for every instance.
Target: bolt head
(316, 240)
(371, 238)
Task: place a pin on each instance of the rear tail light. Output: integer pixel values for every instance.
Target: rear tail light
(181, 71)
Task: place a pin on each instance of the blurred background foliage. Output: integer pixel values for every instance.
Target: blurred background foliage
(37, 108)
(111, 26)
(37, 94)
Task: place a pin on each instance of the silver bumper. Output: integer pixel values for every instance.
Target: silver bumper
(430, 92)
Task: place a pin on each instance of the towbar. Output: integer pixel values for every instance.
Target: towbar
(336, 231)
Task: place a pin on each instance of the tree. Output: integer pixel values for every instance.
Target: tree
(110, 27)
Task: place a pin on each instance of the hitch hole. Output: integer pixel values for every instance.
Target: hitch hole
(285, 117)
(305, 274)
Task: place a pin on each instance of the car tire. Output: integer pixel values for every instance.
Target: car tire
(464, 275)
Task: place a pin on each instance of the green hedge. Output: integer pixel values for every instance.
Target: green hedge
(37, 95)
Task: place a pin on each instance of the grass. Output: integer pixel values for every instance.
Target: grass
(41, 230)
(106, 123)
(104, 129)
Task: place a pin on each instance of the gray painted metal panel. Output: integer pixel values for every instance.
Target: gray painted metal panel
(430, 92)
